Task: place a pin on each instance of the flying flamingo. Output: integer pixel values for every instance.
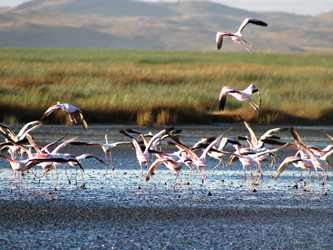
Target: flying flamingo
(253, 158)
(24, 165)
(172, 164)
(143, 155)
(68, 108)
(317, 162)
(244, 95)
(20, 138)
(48, 166)
(198, 162)
(297, 162)
(238, 37)
(216, 153)
(259, 143)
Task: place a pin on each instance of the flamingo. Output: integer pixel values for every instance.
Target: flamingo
(143, 155)
(106, 147)
(20, 138)
(218, 154)
(297, 162)
(24, 165)
(17, 166)
(253, 157)
(244, 95)
(257, 144)
(48, 166)
(238, 37)
(172, 165)
(198, 162)
(68, 108)
(317, 162)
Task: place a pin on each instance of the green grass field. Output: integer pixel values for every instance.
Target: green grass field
(165, 87)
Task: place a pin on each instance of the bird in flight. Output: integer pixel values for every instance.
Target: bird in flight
(243, 95)
(238, 37)
(68, 108)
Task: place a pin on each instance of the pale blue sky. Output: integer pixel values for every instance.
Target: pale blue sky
(304, 7)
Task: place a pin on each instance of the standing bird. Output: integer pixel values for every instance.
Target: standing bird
(238, 37)
(244, 95)
(68, 108)
(106, 147)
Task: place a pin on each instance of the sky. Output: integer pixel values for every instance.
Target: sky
(303, 7)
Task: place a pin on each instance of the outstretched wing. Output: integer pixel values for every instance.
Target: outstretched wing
(223, 95)
(285, 163)
(50, 110)
(253, 21)
(155, 164)
(219, 38)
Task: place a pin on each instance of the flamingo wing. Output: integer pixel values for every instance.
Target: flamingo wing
(223, 95)
(50, 110)
(253, 21)
(156, 163)
(285, 163)
(84, 123)
(219, 38)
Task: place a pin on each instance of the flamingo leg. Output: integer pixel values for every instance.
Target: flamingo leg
(309, 174)
(180, 183)
(43, 176)
(208, 192)
(11, 188)
(106, 160)
(245, 46)
(188, 182)
(168, 178)
(67, 174)
(317, 175)
(21, 177)
(248, 43)
(173, 186)
(301, 178)
(141, 175)
(75, 176)
(253, 105)
(55, 185)
(217, 165)
(222, 170)
(112, 168)
(244, 177)
(82, 183)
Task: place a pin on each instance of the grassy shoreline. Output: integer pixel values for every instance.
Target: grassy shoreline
(165, 87)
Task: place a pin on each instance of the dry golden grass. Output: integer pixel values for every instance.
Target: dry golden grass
(165, 87)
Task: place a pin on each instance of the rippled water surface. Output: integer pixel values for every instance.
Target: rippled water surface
(111, 212)
(120, 186)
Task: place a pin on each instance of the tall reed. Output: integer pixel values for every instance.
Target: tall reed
(163, 87)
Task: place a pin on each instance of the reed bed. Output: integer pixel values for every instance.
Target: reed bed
(165, 87)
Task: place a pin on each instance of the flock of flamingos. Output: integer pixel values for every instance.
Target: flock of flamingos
(25, 154)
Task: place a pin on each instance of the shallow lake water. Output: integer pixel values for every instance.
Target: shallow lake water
(120, 186)
(110, 211)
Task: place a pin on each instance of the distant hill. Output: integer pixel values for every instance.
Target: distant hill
(182, 25)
